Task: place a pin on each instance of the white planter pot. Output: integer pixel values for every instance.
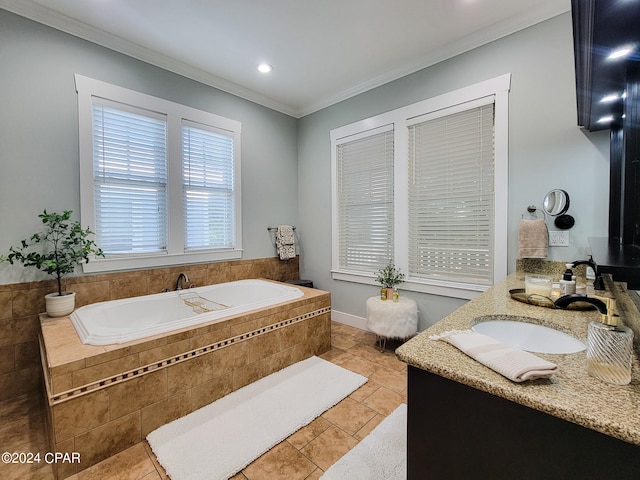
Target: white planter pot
(60, 305)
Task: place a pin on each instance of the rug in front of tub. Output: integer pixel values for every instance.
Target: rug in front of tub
(220, 439)
(381, 455)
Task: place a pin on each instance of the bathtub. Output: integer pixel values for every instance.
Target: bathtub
(120, 321)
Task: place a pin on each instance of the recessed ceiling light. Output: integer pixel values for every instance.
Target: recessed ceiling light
(264, 68)
(610, 98)
(607, 119)
(620, 52)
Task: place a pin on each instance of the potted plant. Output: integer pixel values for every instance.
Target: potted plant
(389, 277)
(64, 244)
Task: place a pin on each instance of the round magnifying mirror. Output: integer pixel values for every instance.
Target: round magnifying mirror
(556, 202)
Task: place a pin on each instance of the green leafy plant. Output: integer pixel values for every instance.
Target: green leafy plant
(390, 276)
(65, 244)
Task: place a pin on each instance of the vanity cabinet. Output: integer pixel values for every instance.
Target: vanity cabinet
(458, 432)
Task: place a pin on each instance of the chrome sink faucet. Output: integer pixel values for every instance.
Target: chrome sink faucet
(182, 277)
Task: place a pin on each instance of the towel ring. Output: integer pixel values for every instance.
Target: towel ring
(532, 209)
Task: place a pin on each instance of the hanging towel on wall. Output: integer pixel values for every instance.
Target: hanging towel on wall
(285, 242)
(533, 238)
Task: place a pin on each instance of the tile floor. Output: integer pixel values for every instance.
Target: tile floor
(304, 455)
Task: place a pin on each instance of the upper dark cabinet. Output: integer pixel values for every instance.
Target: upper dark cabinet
(600, 28)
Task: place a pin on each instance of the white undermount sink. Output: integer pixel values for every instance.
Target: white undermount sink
(518, 333)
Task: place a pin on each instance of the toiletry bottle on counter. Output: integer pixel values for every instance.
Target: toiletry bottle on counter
(610, 349)
(568, 282)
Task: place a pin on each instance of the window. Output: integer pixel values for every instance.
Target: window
(364, 179)
(439, 209)
(159, 181)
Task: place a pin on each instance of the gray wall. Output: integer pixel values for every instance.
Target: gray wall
(546, 150)
(286, 162)
(39, 134)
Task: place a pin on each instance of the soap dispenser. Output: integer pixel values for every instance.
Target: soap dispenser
(568, 282)
(610, 348)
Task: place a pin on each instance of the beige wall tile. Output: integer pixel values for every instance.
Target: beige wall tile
(79, 415)
(6, 305)
(29, 302)
(157, 414)
(62, 383)
(164, 351)
(129, 286)
(229, 358)
(264, 345)
(91, 292)
(293, 334)
(248, 374)
(211, 391)
(105, 370)
(7, 362)
(27, 355)
(18, 382)
(108, 439)
(137, 393)
(185, 375)
(65, 470)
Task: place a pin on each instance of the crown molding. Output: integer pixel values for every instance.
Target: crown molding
(51, 18)
(41, 14)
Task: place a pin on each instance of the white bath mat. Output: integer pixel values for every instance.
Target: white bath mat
(219, 440)
(381, 455)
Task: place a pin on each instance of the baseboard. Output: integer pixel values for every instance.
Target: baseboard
(350, 320)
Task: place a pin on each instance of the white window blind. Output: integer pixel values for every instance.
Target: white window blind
(451, 197)
(130, 180)
(208, 187)
(364, 190)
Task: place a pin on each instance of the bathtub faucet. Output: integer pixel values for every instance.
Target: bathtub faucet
(181, 277)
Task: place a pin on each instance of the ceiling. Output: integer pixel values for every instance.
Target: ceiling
(322, 51)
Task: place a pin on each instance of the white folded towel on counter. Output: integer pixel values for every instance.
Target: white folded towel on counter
(516, 365)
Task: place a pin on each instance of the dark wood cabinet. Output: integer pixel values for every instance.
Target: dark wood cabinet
(608, 96)
(458, 432)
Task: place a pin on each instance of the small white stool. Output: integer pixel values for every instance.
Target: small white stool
(389, 319)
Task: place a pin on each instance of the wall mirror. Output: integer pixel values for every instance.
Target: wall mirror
(556, 202)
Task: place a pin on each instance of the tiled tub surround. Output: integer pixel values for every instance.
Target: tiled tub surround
(571, 394)
(22, 303)
(104, 399)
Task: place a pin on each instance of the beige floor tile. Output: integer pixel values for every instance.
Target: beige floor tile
(154, 460)
(131, 464)
(393, 379)
(364, 391)
(358, 365)
(308, 433)
(343, 342)
(349, 415)
(282, 462)
(315, 475)
(369, 426)
(384, 401)
(331, 445)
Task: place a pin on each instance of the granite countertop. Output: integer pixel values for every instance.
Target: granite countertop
(571, 394)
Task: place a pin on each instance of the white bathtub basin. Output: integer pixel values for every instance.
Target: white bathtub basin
(527, 336)
(120, 321)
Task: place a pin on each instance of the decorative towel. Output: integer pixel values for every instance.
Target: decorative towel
(516, 365)
(533, 238)
(285, 242)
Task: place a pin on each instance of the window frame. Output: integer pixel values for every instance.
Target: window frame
(401, 118)
(176, 254)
